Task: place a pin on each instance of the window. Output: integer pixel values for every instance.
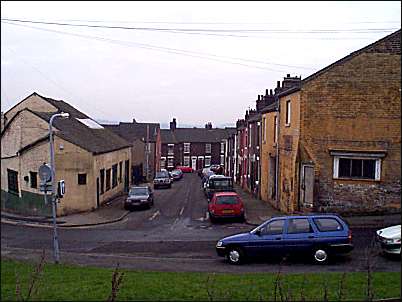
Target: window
(170, 149)
(299, 225)
(12, 181)
(186, 147)
(287, 113)
(207, 148)
(163, 162)
(170, 162)
(33, 176)
(222, 147)
(120, 171)
(114, 175)
(327, 224)
(187, 161)
(107, 179)
(273, 228)
(264, 138)
(207, 161)
(275, 128)
(222, 159)
(102, 181)
(82, 179)
(357, 168)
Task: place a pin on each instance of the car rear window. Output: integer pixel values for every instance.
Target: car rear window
(299, 225)
(220, 183)
(227, 200)
(162, 174)
(327, 224)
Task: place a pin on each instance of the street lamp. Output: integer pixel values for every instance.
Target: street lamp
(56, 253)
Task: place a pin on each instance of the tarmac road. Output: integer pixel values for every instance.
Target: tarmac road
(174, 235)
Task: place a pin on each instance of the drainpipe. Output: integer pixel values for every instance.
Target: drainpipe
(277, 154)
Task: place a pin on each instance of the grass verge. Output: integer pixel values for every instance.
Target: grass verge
(65, 282)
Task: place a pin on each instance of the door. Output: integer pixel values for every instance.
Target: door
(270, 239)
(200, 164)
(307, 186)
(299, 235)
(194, 163)
(97, 192)
(126, 175)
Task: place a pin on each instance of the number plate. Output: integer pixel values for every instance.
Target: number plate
(227, 211)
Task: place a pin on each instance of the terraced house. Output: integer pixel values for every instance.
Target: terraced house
(93, 161)
(193, 147)
(333, 143)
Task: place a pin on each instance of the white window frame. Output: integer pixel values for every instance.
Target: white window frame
(208, 148)
(222, 147)
(170, 149)
(207, 159)
(377, 159)
(163, 162)
(186, 148)
(222, 159)
(288, 112)
(170, 162)
(186, 161)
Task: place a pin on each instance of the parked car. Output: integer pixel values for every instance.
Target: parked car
(218, 183)
(162, 179)
(185, 169)
(139, 197)
(319, 236)
(226, 205)
(390, 239)
(176, 174)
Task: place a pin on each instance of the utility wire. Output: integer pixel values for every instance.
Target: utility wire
(171, 50)
(281, 31)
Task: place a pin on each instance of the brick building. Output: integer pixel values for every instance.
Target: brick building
(193, 147)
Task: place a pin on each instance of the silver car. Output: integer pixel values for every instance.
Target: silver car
(139, 197)
(390, 239)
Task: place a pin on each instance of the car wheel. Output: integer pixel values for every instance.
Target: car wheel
(320, 255)
(235, 255)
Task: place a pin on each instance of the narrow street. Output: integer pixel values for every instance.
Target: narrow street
(174, 235)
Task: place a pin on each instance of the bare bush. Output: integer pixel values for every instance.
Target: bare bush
(117, 278)
(33, 281)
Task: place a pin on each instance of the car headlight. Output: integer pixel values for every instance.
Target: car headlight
(219, 243)
(397, 240)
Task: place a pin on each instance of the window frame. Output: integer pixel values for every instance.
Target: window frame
(222, 147)
(311, 230)
(264, 233)
(186, 147)
(12, 175)
(170, 149)
(377, 167)
(120, 171)
(102, 174)
(79, 179)
(186, 159)
(275, 138)
(207, 157)
(114, 176)
(163, 162)
(33, 176)
(108, 179)
(208, 148)
(288, 113)
(170, 162)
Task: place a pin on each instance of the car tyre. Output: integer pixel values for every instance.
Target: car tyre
(320, 255)
(235, 255)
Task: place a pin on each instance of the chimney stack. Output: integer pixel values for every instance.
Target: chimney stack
(173, 124)
(270, 92)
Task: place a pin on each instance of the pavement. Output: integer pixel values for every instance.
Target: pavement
(257, 211)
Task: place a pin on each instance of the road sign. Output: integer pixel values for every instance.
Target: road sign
(45, 173)
(61, 188)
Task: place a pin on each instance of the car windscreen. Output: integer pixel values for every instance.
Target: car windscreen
(138, 191)
(161, 174)
(227, 200)
(220, 183)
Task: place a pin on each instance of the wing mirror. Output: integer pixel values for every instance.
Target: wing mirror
(258, 232)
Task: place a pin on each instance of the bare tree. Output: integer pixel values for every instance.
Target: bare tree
(117, 278)
(33, 280)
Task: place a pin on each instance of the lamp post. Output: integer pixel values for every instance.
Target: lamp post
(56, 253)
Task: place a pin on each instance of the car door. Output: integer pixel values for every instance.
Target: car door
(299, 235)
(268, 240)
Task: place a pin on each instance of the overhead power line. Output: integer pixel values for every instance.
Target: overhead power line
(172, 50)
(281, 31)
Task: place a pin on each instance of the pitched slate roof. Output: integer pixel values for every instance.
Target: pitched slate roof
(96, 141)
(390, 44)
(195, 135)
(134, 131)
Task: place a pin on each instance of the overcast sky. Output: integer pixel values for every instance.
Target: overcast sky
(196, 61)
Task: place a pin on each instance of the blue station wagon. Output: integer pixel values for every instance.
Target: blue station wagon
(318, 235)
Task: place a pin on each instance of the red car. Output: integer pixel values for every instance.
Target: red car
(226, 205)
(185, 169)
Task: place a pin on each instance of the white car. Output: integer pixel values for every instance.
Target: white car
(390, 239)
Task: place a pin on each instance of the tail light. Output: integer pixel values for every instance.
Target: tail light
(350, 236)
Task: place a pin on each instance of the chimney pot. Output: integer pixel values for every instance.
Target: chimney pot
(278, 84)
(266, 91)
(288, 75)
(270, 92)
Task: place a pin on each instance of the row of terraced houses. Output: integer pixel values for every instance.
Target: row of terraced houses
(329, 142)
